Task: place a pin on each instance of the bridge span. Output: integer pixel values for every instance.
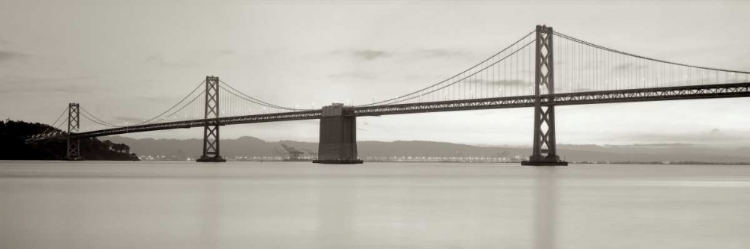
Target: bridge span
(518, 76)
(602, 97)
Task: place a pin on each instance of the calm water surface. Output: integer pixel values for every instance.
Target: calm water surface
(375, 205)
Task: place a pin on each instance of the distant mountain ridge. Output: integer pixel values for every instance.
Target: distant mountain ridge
(251, 146)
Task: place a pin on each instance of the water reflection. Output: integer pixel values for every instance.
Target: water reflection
(210, 213)
(546, 208)
(335, 213)
(253, 205)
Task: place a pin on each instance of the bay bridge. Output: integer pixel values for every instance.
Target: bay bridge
(540, 70)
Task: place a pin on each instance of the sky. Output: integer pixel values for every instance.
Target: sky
(133, 59)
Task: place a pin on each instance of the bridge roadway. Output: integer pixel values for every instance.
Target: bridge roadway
(593, 97)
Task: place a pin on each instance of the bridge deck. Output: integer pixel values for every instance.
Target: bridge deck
(582, 98)
(594, 97)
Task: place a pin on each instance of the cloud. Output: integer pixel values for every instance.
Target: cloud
(66, 85)
(353, 75)
(183, 61)
(368, 55)
(225, 52)
(372, 55)
(9, 55)
(439, 53)
(161, 60)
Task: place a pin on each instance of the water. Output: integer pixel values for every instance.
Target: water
(375, 205)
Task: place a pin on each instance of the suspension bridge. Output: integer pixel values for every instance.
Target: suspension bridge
(532, 72)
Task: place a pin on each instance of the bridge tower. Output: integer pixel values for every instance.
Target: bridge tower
(74, 145)
(211, 123)
(545, 146)
(338, 136)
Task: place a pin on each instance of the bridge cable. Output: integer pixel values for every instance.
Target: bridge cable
(254, 100)
(459, 80)
(101, 122)
(643, 57)
(454, 76)
(41, 136)
(54, 124)
(58, 119)
(105, 123)
(94, 119)
(246, 98)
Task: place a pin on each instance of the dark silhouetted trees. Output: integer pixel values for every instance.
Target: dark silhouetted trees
(13, 147)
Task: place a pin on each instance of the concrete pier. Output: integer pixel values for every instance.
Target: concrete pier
(544, 163)
(211, 159)
(338, 136)
(551, 160)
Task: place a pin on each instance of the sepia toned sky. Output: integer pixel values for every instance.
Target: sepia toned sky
(134, 59)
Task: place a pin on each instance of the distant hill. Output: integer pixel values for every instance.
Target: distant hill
(13, 147)
(250, 146)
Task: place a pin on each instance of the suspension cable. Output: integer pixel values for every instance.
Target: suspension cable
(254, 100)
(102, 122)
(56, 120)
(95, 120)
(183, 107)
(459, 80)
(452, 77)
(245, 98)
(105, 123)
(642, 57)
(175, 105)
